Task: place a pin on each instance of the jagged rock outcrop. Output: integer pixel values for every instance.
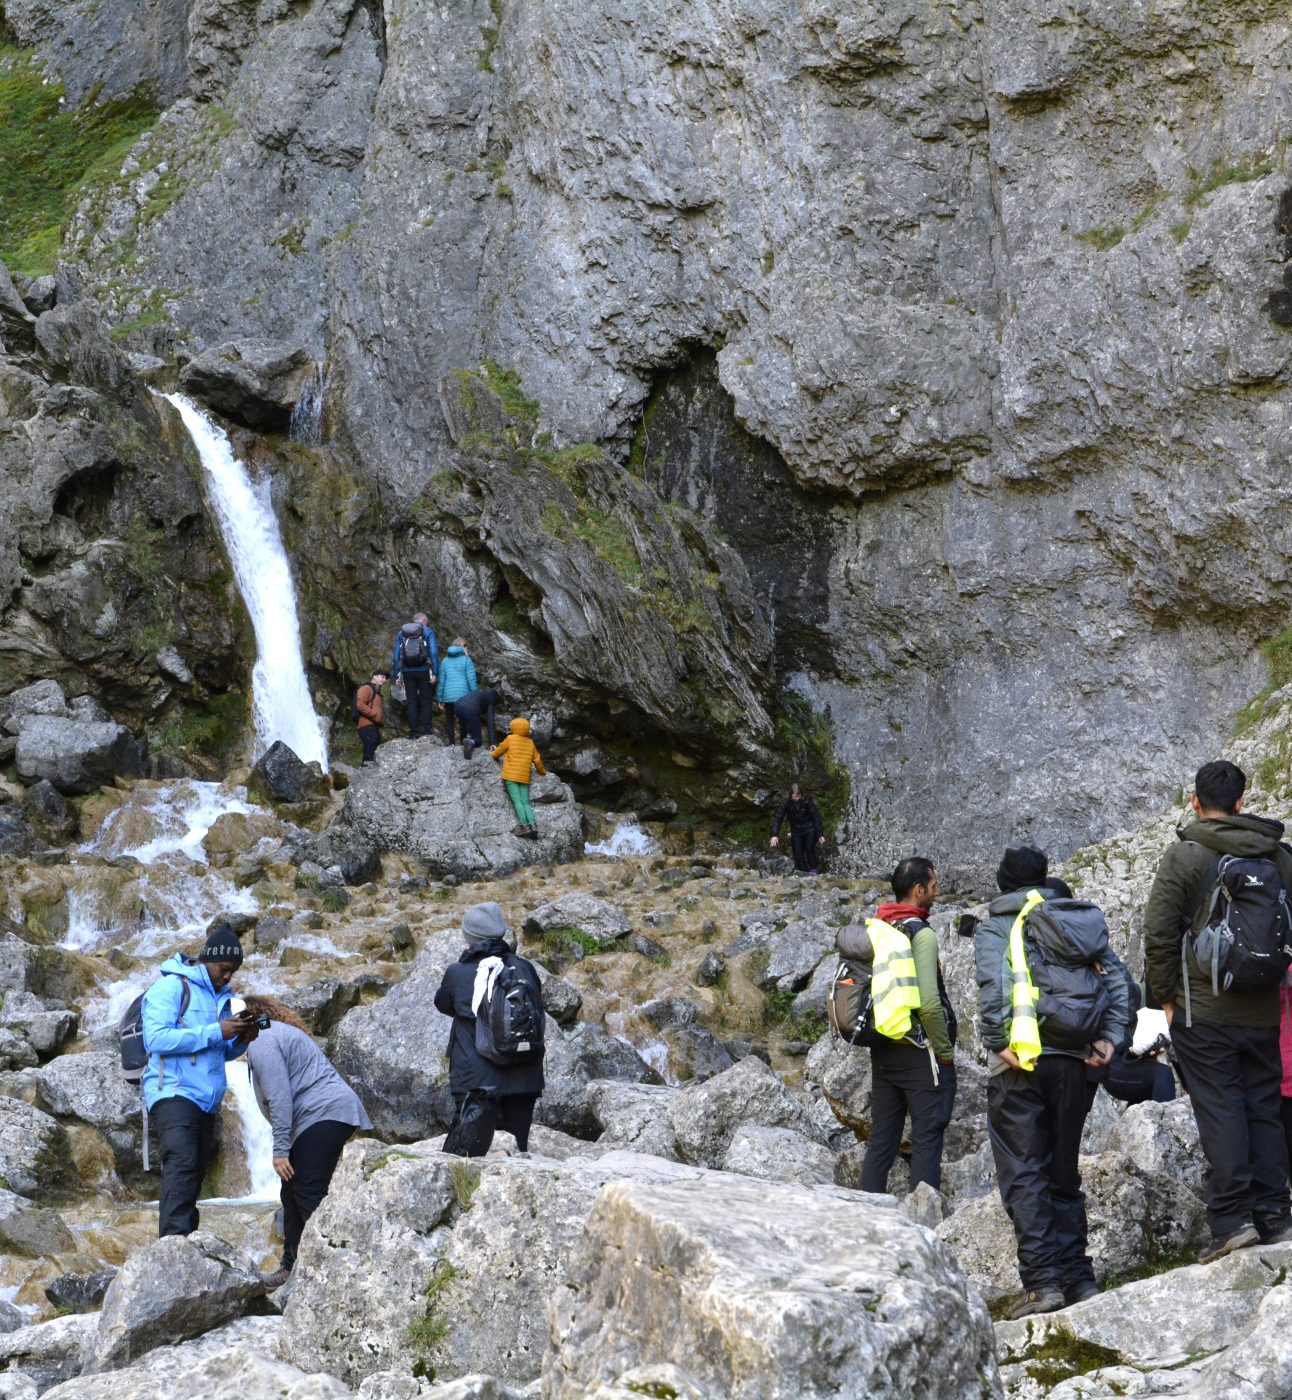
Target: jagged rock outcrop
(429, 801)
(1011, 322)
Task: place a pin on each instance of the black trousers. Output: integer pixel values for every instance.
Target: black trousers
(902, 1083)
(186, 1139)
(469, 722)
(417, 696)
(314, 1156)
(1233, 1075)
(370, 737)
(477, 1116)
(804, 847)
(1285, 1112)
(450, 716)
(1034, 1120)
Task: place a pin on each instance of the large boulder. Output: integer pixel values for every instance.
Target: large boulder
(255, 382)
(33, 1149)
(706, 1116)
(634, 1117)
(596, 919)
(459, 1260)
(1156, 1322)
(839, 1075)
(48, 1352)
(574, 1059)
(428, 801)
(168, 1291)
(279, 775)
(756, 1290)
(395, 1051)
(794, 953)
(45, 1027)
(90, 1088)
(75, 755)
(233, 1362)
(27, 1229)
(779, 1154)
(80, 1292)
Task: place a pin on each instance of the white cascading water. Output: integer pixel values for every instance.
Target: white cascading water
(281, 708)
(179, 894)
(627, 839)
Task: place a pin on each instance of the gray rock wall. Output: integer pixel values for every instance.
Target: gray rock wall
(998, 284)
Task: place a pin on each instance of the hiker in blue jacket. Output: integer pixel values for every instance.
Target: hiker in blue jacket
(187, 1045)
(457, 679)
(417, 663)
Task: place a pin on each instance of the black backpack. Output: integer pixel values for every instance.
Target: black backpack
(416, 652)
(510, 1019)
(1065, 941)
(1243, 943)
(130, 1032)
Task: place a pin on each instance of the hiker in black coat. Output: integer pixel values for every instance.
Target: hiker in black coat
(470, 710)
(807, 830)
(486, 1096)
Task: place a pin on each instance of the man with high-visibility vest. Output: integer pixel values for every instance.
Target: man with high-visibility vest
(914, 1074)
(1041, 1039)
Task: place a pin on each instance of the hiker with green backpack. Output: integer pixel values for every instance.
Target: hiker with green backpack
(912, 1072)
(1053, 999)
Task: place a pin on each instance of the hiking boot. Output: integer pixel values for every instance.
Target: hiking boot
(519, 830)
(1036, 1300)
(1080, 1293)
(468, 747)
(531, 832)
(1279, 1232)
(1226, 1244)
(275, 1280)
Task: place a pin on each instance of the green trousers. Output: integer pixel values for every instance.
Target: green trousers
(519, 794)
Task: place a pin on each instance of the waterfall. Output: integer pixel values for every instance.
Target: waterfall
(282, 708)
(307, 415)
(257, 1135)
(627, 839)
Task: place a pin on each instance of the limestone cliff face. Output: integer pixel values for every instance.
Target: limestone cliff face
(982, 303)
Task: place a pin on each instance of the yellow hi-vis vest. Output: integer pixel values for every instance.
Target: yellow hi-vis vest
(894, 991)
(1024, 1032)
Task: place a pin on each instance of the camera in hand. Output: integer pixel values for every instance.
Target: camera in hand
(262, 1021)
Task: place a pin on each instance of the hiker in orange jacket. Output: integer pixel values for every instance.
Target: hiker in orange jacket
(519, 754)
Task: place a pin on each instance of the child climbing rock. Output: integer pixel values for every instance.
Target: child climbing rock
(519, 753)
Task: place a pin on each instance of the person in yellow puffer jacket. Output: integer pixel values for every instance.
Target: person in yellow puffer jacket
(519, 754)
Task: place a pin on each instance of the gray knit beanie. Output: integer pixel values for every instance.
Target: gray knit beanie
(483, 921)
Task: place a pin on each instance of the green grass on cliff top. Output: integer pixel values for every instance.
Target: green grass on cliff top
(47, 147)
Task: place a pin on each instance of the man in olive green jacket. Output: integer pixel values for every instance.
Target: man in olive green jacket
(1227, 1047)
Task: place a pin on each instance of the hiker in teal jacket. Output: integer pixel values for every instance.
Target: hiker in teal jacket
(457, 678)
(184, 1083)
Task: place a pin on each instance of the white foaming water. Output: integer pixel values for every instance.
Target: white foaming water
(316, 943)
(282, 708)
(257, 1135)
(627, 839)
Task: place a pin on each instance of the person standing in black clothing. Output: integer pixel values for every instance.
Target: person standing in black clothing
(1226, 1042)
(916, 1075)
(807, 831)
(416, 663)
(486, 1096)
(470, 709)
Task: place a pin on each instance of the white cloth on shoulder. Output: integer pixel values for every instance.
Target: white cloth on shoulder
(486, 974)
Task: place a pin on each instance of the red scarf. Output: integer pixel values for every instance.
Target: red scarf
(899, 913)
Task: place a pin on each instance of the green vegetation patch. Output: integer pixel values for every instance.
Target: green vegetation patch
(1061, 1356)
(464, 1179)
(1222, 172)
(1278, 658)
(566, 939)
(47, 149)
(1104, 238)
(431, 1329)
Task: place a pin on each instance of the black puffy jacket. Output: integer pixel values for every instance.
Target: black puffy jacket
(468, 1069)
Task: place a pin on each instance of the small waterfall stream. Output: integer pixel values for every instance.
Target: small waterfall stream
(307, 415)
(282, 707)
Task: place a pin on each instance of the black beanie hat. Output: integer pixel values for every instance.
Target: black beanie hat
(1020, 868)
(221, 946)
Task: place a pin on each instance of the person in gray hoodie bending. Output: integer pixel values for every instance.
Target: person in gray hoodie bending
(312, 1111)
